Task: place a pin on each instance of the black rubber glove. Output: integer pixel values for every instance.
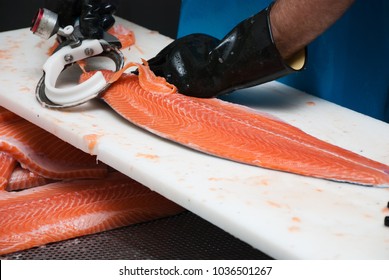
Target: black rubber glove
(202, 66)
(95, 16)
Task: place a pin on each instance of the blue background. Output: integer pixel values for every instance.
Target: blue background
(348, 64)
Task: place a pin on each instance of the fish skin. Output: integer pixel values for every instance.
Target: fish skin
(237, 133)
(45, 154)
(67, 209)
(7, 166)
(21, 179)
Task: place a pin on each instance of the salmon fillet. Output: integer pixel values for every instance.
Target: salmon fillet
(45, 154)
(6, 115)
(234, 132)
(68, 209)
(7, 165)
(21, 179)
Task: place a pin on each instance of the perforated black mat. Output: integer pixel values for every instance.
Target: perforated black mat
(184, 236)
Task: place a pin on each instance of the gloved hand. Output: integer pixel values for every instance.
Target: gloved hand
(95, 16)
(202, 66)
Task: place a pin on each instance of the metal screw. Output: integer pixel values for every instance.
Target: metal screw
(88, 51)
(68, 58)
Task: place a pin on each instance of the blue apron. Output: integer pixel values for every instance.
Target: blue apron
(347, 65)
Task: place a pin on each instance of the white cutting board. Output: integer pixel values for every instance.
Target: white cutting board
(286, 216)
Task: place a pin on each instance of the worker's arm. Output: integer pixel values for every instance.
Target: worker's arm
(264, 47)
(295, 24)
